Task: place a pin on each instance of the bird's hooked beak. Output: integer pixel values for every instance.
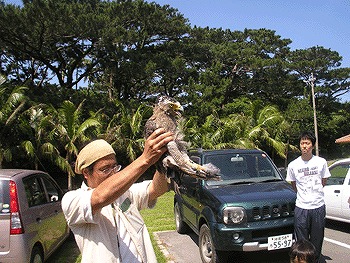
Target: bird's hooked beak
(177, 108)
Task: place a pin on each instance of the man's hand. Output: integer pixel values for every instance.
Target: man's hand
(155, 145)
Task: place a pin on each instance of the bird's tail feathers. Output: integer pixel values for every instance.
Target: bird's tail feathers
(211, 169)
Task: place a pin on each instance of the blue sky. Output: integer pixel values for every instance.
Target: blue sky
(307, 23)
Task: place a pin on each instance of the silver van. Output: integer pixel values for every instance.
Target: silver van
(32, 224)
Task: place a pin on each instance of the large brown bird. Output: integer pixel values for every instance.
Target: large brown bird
(167, 114)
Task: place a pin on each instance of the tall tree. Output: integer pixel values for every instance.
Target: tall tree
(141, 51)
(314, 66)
(323, 65)
(53, 40)
(123, 47)
(231, 64)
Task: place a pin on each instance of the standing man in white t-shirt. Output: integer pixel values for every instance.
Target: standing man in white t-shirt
(308, 175)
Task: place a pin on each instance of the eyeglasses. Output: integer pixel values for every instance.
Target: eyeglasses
(107, 171)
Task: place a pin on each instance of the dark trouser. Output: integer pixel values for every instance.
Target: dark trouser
(310, 224)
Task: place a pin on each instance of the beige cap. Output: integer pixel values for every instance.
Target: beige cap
(92, 152)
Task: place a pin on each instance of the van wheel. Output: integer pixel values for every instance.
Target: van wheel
(36, 256)
(207, 249)
(181, 226)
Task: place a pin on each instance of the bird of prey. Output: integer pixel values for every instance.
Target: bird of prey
(167, 114)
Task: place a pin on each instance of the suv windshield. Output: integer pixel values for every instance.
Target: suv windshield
(243, 168)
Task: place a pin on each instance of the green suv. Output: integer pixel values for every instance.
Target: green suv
(251, 208)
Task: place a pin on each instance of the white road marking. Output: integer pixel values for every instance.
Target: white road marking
(337, 242)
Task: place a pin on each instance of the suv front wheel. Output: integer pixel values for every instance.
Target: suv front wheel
(206, 247)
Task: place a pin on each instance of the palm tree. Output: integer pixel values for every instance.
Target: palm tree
(11, 105)
(206, 136)
(262, 129)
(70, 131)
(270, 126)
(235, 131)
(37, 126)
(128, 129)
(220, 133)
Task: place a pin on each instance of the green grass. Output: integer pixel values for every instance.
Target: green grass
(67, 253)
(160, 218)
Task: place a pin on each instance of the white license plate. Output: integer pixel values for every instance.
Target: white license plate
(279, 242)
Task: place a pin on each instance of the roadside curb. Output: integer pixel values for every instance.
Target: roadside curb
(163, 247)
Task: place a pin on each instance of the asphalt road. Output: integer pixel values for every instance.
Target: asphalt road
(184, 248)
(336, 245)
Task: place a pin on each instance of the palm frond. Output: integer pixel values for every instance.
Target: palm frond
(28, 148)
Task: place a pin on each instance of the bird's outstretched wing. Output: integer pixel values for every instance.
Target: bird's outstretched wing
(166, 114)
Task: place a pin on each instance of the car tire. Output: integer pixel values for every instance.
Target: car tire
(181, 226)
(36, 256)
(207, 249)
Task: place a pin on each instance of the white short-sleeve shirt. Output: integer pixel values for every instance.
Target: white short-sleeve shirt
(308, 177)
(114, 234)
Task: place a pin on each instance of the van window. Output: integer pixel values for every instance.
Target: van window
(34, 191)
(4, 197)
(52, 190)
(338, 173)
